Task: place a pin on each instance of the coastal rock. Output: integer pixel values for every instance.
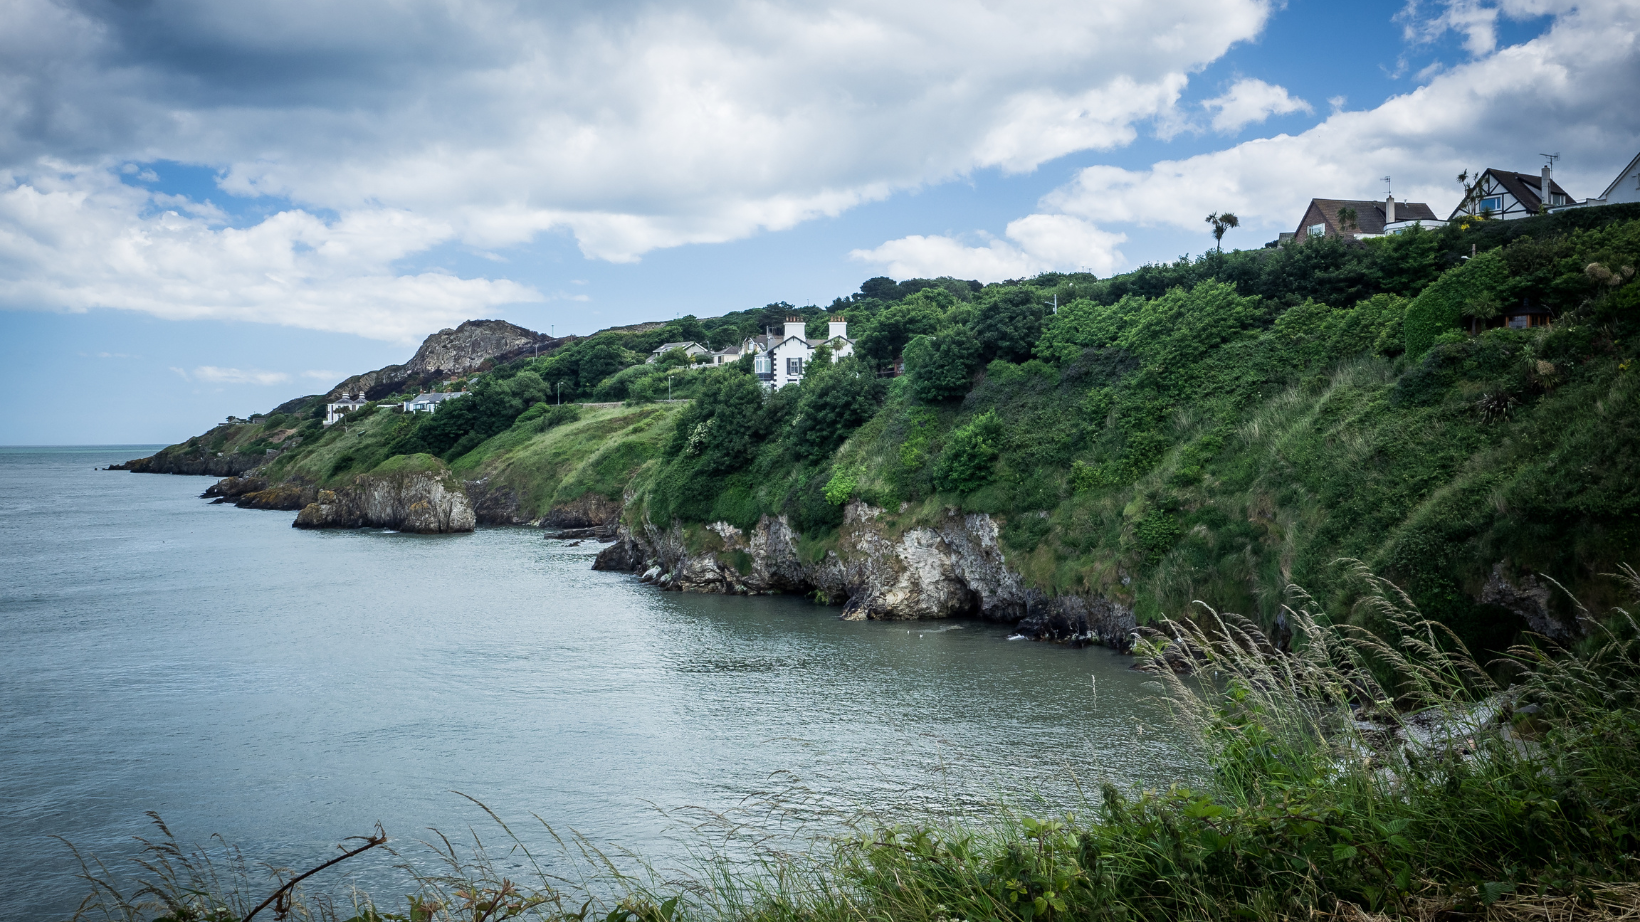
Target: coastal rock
(1527, 598)
(954, 568)
(289, 497)
(234, 487)
(196, 461)
(418, 494)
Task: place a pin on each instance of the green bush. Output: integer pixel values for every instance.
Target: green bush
(969, 459)
(940, 366)
(1441, 306)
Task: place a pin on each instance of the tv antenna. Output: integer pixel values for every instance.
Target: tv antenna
(1387, 187)
(1551, 158)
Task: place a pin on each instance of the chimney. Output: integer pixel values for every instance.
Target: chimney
(837, 328)
(1544, 186)
(794, 327)
(1389, 209)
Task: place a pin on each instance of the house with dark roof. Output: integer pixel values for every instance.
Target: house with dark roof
(1507, 195)
(1328, 217)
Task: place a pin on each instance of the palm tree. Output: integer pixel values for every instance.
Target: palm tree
(1221, 223)
(1346, 219)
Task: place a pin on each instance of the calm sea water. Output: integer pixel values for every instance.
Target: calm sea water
(285, 689)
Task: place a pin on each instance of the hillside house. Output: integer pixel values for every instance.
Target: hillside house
(1508, 196)
(726, 356)
(1372, 218)
(1522, 316)
(782, 358)
(429, 402)
(691, 349)
(347, 403)
(1624, 190)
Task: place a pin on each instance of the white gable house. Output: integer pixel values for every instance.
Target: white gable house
(336, 409)
(784, 357)
(1626, 187)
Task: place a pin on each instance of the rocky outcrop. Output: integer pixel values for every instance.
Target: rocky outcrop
(425, 500)
(1529, 599)
(197, 462)
(954, 568)
(258, 493)
(450, 352)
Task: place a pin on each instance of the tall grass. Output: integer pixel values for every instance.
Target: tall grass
(1355, 775)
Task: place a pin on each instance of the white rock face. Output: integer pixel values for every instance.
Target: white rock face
(424, 502)
(954, 569)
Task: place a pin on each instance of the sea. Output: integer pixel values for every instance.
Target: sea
(267, 693)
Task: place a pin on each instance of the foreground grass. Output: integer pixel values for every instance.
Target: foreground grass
(1356, 776)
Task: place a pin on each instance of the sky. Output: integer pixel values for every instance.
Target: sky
(207, 208)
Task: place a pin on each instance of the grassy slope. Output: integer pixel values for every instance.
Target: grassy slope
(599, 453)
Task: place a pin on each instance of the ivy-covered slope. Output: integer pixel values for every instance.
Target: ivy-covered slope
(1213, 428)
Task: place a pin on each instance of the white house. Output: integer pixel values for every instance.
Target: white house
(1624, 190)
(727, 356)
(782, 358)
(690, 349)
(429, 402)
(1626, 187)
(1508, 195)
(337, 409)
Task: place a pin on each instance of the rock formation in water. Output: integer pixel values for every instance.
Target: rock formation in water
(258, 493)
(951, 569)
(449, 352)
(419, 495)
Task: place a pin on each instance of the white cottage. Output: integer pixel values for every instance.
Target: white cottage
(782, 358)
(337, 409)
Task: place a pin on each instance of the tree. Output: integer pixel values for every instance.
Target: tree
(1009, 325)
(941, 366)
(1347, 219)
(834, 400)
(1221, 223)
(718, 426)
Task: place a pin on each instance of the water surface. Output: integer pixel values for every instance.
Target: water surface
(288, 688)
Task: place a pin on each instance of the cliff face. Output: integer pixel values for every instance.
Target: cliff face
(449, 352)
(951, 569)
(428, 500)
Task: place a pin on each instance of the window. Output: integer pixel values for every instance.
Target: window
(1493, 204)
(1557, 199)
(1316, 230)
(1519, 322)
(762, 363)
(794, 368)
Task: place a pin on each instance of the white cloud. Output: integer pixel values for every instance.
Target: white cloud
(214, 375)
(1036, 243)
(1250, 101)
(73, 238)
(1565, 90)
(321, 375)
(418, 123)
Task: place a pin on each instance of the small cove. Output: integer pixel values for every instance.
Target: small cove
(285, 689)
